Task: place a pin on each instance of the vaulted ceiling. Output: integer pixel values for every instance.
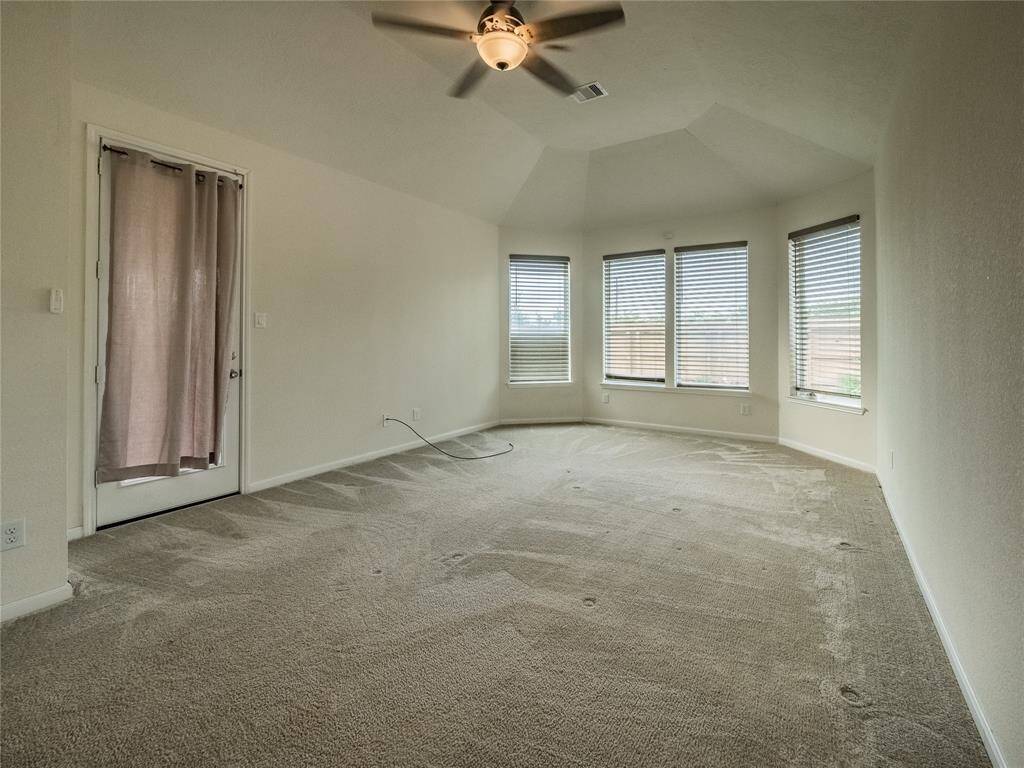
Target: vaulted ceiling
(712, 106)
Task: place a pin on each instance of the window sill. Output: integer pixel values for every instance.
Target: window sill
(657, 387)
(854, 409)
(536, 384)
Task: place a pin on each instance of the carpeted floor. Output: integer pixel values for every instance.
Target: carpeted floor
(599, 597)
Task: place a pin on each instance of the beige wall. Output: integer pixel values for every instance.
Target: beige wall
(347, 270)
(351, 271)
(377, 301)
(840, 435)
(950, 190)
(36, 112)
(688, 409)
(526, 402)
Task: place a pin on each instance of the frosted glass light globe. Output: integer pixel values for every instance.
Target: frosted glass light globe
(502, 50)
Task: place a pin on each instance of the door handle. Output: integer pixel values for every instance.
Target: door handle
(234, 374)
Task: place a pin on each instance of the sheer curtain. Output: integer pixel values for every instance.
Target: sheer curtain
(174, 236)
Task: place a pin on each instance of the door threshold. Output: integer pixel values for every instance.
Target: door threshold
(148, 515)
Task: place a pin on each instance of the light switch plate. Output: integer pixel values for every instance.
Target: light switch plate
(260, 319)
(56, 301)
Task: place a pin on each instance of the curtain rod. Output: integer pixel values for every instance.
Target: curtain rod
(199, 174)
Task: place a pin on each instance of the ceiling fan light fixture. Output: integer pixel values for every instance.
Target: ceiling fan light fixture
(504, 40)
(502, 51)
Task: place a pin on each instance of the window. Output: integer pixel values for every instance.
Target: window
(711, 345)
(824, 310)
(538, 319)
(634, 317)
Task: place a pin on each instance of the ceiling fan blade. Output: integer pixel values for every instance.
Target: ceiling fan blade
(469, 79)
(557, 47)
(556, 27)
(544, 70)
(415, 25)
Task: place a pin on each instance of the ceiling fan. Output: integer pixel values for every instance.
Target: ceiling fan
(505, 41)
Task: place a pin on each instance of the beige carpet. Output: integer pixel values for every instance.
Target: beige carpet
(600, 597)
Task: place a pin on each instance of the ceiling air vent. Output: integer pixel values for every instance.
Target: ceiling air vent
(589, 92)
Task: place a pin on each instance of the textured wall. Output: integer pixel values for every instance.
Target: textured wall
(696, 410)
(841, 434)
(556, 401)
(845, 436)
(950, 192)
(36, 104)
(378, 301)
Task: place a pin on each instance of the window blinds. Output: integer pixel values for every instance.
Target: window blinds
(711, 341)
(634, 316)
(824, 269)
(538, 319)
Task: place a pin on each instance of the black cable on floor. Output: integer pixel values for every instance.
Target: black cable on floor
(452, 455)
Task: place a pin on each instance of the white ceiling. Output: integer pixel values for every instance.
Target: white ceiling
(824, 70)
(315, 79)
(713, 106)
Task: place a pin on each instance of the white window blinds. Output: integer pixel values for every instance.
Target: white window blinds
(711, 341)
(824, 269)
(538, 319)
(634, 316)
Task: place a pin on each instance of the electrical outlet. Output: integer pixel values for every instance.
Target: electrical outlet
(605, 397)
(260, 319)
(744, 409)
(13, 534)
(384, 420)
(416, 413)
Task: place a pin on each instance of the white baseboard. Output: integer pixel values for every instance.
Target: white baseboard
(545, 420)
(75, 533)
(301, 474)
(828, 455)
(35, 603)
(688, 430)
(994, 752)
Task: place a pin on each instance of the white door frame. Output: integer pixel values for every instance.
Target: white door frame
(95, 135)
